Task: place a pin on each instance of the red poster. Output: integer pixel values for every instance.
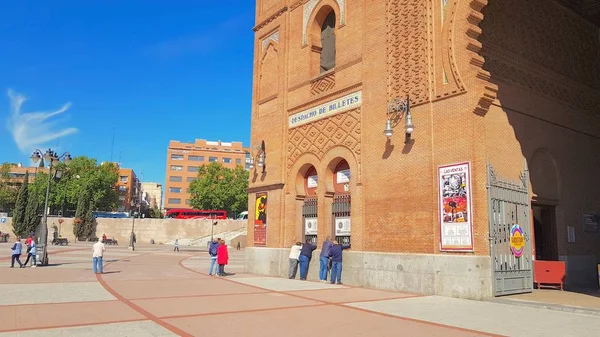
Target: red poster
(260, 220)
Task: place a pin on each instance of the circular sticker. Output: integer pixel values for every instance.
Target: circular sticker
(517, 240)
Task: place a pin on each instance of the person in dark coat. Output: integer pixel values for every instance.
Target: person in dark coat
(304, 258)
(336, 261)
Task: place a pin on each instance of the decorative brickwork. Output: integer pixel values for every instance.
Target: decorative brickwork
(320, 136)
(322, 84)
(407, 62)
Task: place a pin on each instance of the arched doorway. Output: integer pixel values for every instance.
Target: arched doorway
(341, 214)
(310, 206)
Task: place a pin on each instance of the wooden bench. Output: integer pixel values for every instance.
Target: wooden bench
(110, 242)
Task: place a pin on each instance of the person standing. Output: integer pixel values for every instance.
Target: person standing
(304, 258)
(97, 254)
(212, 251)
(324, 259)
(31, 254)
(176, 248)
(336, 261)
(222, 257)
(16, 253)
(294, 255)
(239, 245)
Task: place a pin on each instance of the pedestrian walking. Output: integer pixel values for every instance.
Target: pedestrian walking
(222, 257)
(31, 251)
(336, 261)
(16, 253)
(324, 259)
(305, 257)
(97, 253)
(176, 248)
(239, 246)
(213, 247)
(294, 255)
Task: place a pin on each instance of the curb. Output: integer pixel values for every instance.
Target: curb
(547, 306)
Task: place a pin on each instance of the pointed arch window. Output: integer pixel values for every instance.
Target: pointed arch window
(328, 43)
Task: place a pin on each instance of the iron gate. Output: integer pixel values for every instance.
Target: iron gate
(509, 216)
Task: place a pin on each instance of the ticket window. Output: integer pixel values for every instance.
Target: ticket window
(310, 206)
(341, 204)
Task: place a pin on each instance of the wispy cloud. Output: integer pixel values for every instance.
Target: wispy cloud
(34, 129)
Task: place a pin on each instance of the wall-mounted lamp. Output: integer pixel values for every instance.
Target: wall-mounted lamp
(261, 157)
(397, 109)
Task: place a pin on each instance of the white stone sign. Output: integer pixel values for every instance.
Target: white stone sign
(345, 103)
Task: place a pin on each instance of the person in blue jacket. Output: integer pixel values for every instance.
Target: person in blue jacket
(212, 251)
(336, 261)
(16, 253)
(304, 258)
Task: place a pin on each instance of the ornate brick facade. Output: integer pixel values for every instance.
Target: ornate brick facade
(508, 82)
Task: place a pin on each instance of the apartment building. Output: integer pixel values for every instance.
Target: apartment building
(153, 192)
(128, 187)
(184, 160)
(16, 173)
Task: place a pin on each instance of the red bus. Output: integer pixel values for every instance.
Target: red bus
(195, 214)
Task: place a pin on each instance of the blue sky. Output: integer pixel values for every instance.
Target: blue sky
(153, 71)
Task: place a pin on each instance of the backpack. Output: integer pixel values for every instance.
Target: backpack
(213, 249)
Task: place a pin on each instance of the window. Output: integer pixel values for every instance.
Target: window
(192, 168)
(122, 188)
(196, 158)
(175, 189)
(227, 160)
(213, 159)
(176, 168)
(123, 179)
(176, 157)
(175, 201)
(190, 179)
(328, 43)
(238, 161)
(175, 179)
(187, 201)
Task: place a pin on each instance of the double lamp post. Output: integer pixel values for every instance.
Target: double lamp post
(51, 158)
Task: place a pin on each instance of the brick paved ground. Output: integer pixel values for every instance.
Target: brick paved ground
(156, 292)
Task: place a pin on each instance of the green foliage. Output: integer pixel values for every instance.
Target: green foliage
(18, 220)
(8, 193)
(155, 213)
(88, 221)
(82, 172)
(218, 187)
(32, 218)
(78, 222)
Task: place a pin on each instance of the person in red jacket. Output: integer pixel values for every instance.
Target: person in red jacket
(222, 258)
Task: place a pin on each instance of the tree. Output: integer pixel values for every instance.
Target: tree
(78, 222)
(32, 218)
(218, 187)
(18, 220)
(82, 172)
(88, 221)
(8, 193)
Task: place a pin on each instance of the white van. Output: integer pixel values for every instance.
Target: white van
(243, 216)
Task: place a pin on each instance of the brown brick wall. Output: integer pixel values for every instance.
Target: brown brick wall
(482, 112)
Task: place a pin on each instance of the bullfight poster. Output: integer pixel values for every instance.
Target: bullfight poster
(456, 224)
(260, 220)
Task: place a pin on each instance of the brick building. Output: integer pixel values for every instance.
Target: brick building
(16, 173)
(129, 187)
(184, 159)
(493, 168)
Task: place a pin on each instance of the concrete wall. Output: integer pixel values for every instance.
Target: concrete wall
(429, 274)
(160, 230)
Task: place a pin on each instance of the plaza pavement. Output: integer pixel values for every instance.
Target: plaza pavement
(156, 292)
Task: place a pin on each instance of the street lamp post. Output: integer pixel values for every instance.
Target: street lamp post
(52, 157)
(139, 203)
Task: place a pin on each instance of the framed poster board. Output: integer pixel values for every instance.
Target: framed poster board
(310, 226)
(343, 226)
(260, 219)
(455, 210)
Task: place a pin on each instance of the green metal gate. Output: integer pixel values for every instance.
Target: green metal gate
(509, 217)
